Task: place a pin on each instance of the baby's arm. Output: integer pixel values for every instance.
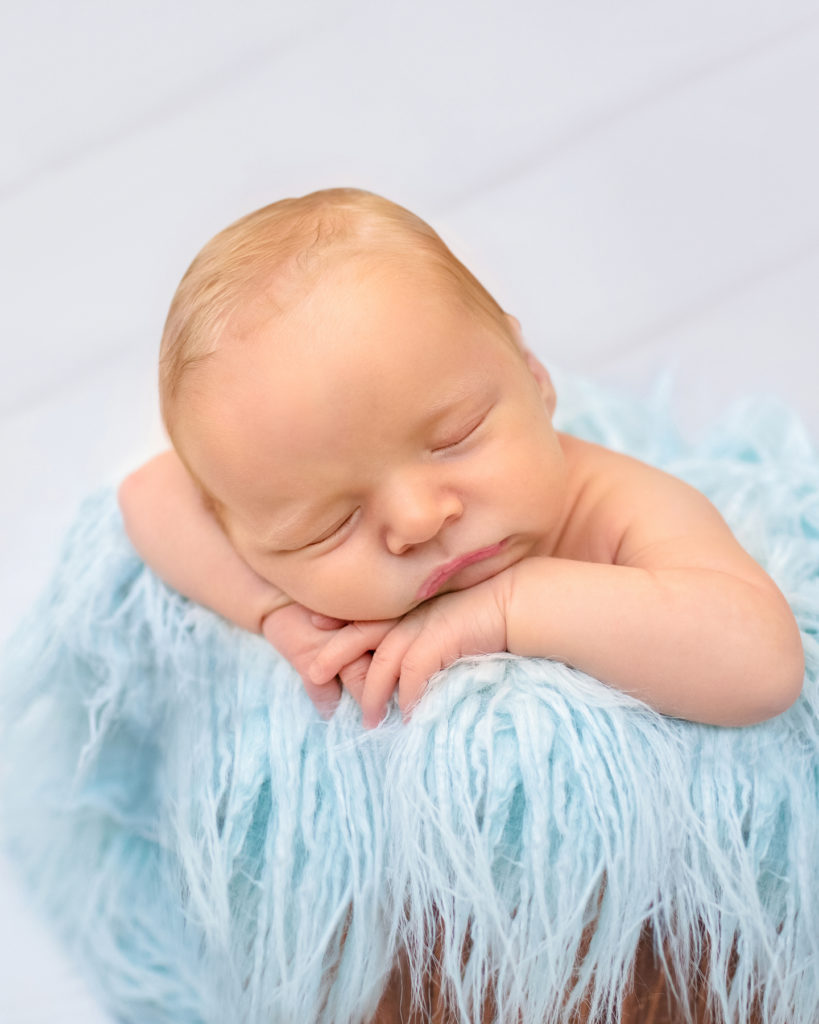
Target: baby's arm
(684, 618)
(177, 535)
(658, 599)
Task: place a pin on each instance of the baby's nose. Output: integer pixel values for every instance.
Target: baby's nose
(418, 514)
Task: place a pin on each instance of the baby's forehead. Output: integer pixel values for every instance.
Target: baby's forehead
(356, 322)
(310, 296)
(350, 325)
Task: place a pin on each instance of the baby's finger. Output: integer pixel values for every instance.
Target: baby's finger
(353, 676)
(384, 674)
(420, 663)
(345, 647)
(325, 698)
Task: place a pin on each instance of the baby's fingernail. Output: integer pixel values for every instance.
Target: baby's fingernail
(315, 673)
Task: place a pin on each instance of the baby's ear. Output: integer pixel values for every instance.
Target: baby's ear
(539, 371)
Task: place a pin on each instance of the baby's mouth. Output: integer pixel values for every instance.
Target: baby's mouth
(445, 572)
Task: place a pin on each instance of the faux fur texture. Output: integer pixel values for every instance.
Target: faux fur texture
(213, 852)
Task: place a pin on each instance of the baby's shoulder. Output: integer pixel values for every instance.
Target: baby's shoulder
(602, 470)
(618, 503)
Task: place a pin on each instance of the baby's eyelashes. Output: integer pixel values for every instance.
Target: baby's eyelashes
(460, 435)
(334, 531)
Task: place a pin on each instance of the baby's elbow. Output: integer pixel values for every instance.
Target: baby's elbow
(143, 493)
(135, 497)
(784, 674)
(128, 494)
(794, 679)
(132, 496)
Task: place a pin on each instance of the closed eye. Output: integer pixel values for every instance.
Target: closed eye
(336, 530)
(461, 435)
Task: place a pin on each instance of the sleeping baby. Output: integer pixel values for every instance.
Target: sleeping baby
(365, 469)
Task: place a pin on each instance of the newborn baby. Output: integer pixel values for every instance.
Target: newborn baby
(365, 469)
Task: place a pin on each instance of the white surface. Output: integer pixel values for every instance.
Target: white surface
(636, 181)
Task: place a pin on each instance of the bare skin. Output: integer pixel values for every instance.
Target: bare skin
(393, 496)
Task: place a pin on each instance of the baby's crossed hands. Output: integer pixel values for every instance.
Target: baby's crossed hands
(299, 635)
(405, 652)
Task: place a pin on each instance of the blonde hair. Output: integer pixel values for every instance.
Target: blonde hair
(279, 251)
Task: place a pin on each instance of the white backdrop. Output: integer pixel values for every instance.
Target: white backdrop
(637, 182)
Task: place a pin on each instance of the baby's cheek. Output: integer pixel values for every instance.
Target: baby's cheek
(357, 589)
(311, 586)
(348, 583)
(267, 568)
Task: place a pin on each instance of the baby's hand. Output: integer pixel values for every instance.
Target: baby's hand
(299, 635)
(411, 649)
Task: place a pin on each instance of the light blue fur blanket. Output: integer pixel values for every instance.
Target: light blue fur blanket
(215, 853)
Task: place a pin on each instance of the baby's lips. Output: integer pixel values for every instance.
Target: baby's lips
(437, 579)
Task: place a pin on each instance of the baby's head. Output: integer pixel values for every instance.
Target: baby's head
(267, 262)
(357, 408)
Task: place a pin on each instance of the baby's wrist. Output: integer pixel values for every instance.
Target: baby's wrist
(506, 583)
(280, 601)
(516, 598)
(501, 590)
